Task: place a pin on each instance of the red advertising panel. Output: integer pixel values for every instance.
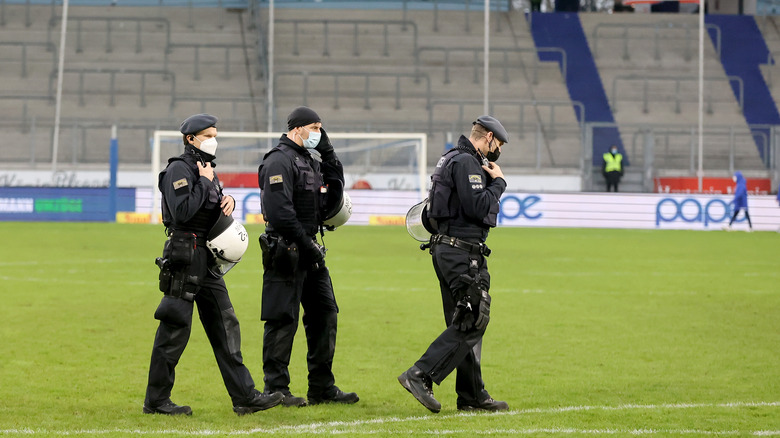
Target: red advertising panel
(755, 186)
(238, 179)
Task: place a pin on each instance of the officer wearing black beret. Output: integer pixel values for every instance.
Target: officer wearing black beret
(192, 202)
(463, 201)
(297, 190)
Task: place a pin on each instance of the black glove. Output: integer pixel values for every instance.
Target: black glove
(483, 310)
(463, 318)
(324, 147)
(313, 253)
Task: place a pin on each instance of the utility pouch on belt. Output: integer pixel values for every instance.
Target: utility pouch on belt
(182, 246)
(279, 254)
(268, 248)
(165, 273)
(177, 283)
(184, 286)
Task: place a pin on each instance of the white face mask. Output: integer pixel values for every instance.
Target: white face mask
(312, 141)
(209, 146)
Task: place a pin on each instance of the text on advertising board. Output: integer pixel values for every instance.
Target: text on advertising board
(691, 210)
(515, 207)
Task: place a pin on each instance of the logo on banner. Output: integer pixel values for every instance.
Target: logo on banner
(513, 207)
(692, 211)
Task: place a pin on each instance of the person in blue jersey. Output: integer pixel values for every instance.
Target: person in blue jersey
(740, 199)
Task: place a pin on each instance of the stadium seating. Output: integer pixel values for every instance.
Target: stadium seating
(382, 68)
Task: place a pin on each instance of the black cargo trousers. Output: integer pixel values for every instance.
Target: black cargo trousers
(221, 325)
(283, 296)
(454, 348)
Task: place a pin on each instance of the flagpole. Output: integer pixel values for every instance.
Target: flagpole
(486, 60)
(700, 171)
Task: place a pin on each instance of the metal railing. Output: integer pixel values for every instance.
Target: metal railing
(658, 28)
(667, 157)
(544, 131)
(83, 139)
(366, 77)
(476, 64)
(771, 62)
(26, 98)
(674, 149)
(27, 13)
(112, 88)
(205, 101)
(196, 47)
(24, 44)
(157, 21)
(677, 94)
(495, 6)
(467, 6)
(521, 105)
(261, 45)
(355, 24)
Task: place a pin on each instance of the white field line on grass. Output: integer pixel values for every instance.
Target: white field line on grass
(348, 427)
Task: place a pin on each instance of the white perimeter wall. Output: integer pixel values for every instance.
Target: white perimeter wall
(528, 209)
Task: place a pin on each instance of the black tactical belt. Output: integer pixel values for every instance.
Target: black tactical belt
(474, 248)
(199, 239)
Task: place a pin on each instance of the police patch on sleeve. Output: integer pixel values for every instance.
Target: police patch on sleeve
(475, 181)
(181, 186)
(275, 179)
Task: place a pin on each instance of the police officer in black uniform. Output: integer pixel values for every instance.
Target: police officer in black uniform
(463, 202)
(192, 201)
(297, 189)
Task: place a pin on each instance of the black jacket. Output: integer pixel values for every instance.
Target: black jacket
(295, 189)
(464, 198)
(189, 201)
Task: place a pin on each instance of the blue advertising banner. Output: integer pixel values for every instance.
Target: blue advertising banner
(62, 204)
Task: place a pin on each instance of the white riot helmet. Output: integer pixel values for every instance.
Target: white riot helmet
(339, 215)
(227, 240)
(419, 225)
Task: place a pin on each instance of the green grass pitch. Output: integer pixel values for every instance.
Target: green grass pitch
(593, 333)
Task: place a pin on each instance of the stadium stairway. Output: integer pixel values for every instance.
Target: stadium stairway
(743, 50)
(629, 47)
(582, 78)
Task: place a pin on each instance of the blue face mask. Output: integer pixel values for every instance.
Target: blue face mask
(312, 141)
(614, 151)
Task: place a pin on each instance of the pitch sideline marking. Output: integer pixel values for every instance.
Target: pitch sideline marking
(337, 426)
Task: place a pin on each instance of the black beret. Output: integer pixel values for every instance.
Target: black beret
(301, 116)
(198, 122)
(494, 126)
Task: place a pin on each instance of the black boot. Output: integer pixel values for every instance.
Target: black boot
(168, 408)
(420, 386)
(485, 405)
(334, 395)
(259, 402)
(290, 400)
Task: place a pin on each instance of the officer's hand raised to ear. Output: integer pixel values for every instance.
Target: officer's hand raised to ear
(494, 171)
(206, 171)
(325, 148)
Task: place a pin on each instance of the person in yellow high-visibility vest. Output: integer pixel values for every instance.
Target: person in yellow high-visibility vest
(612, 169)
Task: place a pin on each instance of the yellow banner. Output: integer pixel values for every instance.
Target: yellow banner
(254, 218)
(386, 220)
(129, 217)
